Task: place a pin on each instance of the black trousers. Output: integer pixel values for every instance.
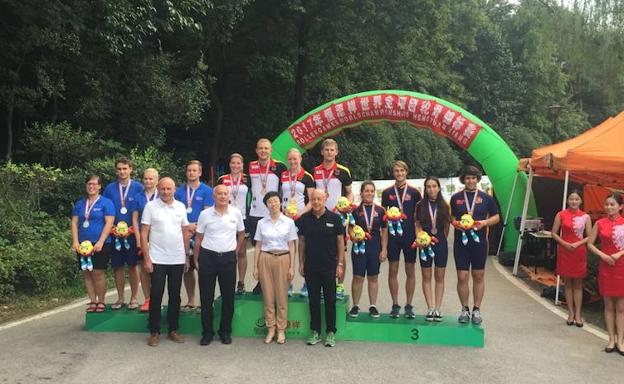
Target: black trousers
(213, 266)
(172, 275)
(327, 281)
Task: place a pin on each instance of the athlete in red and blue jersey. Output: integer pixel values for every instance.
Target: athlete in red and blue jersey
(405, 197)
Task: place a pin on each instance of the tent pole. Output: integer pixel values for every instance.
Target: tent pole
(563, 206)
(513, 189)
(525, 208)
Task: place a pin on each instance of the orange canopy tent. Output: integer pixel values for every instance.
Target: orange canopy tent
(594, 159)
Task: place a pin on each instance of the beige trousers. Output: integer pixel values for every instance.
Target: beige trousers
(273, 274)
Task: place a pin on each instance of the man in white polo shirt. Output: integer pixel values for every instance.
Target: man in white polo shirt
(165, 240)
(220, 235)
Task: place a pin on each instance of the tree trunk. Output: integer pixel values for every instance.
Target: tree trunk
(302, 60)
(9, 147)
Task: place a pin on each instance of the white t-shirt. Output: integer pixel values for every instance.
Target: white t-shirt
(166, 243)
(220, 231)
(275, 236)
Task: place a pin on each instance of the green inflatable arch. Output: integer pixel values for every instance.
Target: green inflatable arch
(421, 111)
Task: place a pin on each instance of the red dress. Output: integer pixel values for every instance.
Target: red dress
(611, 277)
(572, 263)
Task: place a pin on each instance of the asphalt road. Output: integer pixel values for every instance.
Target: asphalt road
(525, 343)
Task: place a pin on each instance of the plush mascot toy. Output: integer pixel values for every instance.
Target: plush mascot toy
(85, 251)
(394, 217)
(291, 211)
(466, 224)
(358, 238)
(424, 241)
(121, 232)
(344, 209)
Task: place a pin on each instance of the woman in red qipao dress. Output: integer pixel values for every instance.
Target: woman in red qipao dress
(575, 226)
(610, 232)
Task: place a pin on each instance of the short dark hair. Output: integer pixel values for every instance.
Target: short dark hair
(93, 177)
(269, 195)
(123, 160)
(470, 170)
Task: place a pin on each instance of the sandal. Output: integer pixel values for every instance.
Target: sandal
(100, 307)
(117, 306)
(188, 308)
(91, 307)
(133, 305)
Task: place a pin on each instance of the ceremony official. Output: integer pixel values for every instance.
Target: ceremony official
(165, 239)
(220, 235)
(321, 261)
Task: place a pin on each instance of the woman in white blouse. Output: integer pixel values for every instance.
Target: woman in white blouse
(274, 265)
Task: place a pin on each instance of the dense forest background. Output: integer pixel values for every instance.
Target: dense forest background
(169, 80)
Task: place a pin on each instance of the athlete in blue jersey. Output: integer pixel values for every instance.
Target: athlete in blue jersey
(195, 196)
(92, 220)
(405, 197)
(368, 255)
(150, 181)
(470, 249)
(121, 193)
(433, 217)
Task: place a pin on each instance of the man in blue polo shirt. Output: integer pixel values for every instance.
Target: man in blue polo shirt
(122, 193)
(195, 196)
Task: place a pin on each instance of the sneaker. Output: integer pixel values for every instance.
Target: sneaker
(257, 289)
(430, 316)
(465, 316)
(354, 312)
(314, 339)
(394, 313)
(373, 312)
(304, 290)
(240, 288)
(290, 290)
(145, 306)
(476, 316)
(437, 316)
(153, 340)
(330, 339)
(83, 263)
(409, 311)
(340, 292)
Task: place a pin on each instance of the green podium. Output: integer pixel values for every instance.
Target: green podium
(249, 322)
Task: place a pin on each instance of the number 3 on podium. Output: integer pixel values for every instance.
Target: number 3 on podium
(414, 334)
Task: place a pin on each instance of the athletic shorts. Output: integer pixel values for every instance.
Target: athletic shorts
(124, 256)
(471, 255)
(440, 259)
(396, 244)
(366, 264)
(99, 259)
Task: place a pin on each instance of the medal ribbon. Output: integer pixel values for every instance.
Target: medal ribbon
(433, 214)
(470, 207)
(400, 198)
(327, 176)
(122, 194)
(293, 184)
(263, 180)
(190, 196)
(235, 185)
(89, 208)
(153, 197)
(369, 222)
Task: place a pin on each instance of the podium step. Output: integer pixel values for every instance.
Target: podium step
(249, 322)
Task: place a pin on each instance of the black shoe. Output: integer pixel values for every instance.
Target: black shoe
(620, 351)
(205, 340)
(226, 338)
(373, 312)
(354, 312)
(257, 289)
(610, 349)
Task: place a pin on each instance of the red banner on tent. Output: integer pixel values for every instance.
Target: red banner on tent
(418, 112)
